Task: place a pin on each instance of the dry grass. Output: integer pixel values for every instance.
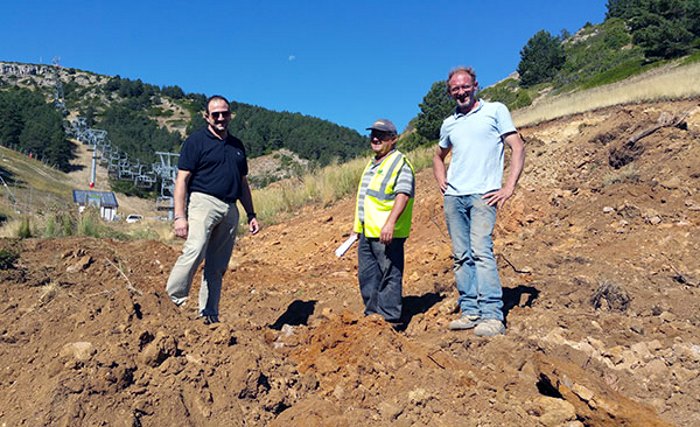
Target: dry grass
(665, 83)
(324, 187)
(34, 174)
(48, 293)
(627, 174)
(147, 229)
(10, 229)
(22, 226)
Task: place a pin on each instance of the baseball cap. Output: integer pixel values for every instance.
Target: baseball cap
(383, 125)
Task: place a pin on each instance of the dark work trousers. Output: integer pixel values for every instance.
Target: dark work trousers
(380, 272)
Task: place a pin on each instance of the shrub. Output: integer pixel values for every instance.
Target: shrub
(508, 93)
(89, 223)
(66, 224)
(50, 226)
(25, 229)
(58, 224)
(8, 257)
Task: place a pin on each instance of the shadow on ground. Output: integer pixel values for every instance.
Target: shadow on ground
(520, 296)
(297, 313)
(413, 305)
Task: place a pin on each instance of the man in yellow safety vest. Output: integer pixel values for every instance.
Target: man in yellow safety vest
(383, 221)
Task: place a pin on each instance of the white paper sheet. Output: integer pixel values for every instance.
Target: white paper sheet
(346, 245)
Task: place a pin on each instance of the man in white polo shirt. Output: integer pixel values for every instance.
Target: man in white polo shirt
(476, 134)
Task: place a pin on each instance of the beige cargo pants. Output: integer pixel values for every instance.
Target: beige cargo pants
(211, 235)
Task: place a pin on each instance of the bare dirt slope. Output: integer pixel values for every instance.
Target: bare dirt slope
(601, 279)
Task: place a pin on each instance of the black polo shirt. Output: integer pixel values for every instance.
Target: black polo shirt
(217, 166)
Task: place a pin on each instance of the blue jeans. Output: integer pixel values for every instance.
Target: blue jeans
(470, 222)
(380, 273)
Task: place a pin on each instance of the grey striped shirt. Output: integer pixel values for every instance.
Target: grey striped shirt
(405, 183)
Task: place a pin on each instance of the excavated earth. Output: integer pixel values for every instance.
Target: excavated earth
(598, 257)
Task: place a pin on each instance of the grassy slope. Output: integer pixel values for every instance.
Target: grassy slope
(670, 82)
(31, 182)
(597, 57)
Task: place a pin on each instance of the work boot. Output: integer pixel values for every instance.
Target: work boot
(467, 321)
(490, 328)
(208, 320)
(397, 325)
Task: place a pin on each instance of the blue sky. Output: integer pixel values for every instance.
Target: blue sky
(349, 62)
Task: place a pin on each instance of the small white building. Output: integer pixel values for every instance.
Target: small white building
(105, 201)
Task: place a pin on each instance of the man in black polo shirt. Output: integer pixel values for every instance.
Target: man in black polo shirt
(212, 169)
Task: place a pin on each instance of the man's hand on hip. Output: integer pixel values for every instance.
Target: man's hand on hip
(442, 185)
(499, 197)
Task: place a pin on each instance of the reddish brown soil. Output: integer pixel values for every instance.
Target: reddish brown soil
(601, 281)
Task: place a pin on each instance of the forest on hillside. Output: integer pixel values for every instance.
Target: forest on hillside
(31, 125)
(311, 138)
(132, 128)
(129, 111)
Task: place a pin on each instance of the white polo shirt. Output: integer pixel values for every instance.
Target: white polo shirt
(476, 140)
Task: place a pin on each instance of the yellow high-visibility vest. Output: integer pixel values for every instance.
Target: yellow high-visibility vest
(380, 197)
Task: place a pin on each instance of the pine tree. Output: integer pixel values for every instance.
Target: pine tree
(436, 106)
(540, 59)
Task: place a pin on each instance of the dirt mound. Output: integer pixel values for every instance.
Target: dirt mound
(601, 289)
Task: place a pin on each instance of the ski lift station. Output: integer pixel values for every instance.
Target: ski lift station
(105, 201)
